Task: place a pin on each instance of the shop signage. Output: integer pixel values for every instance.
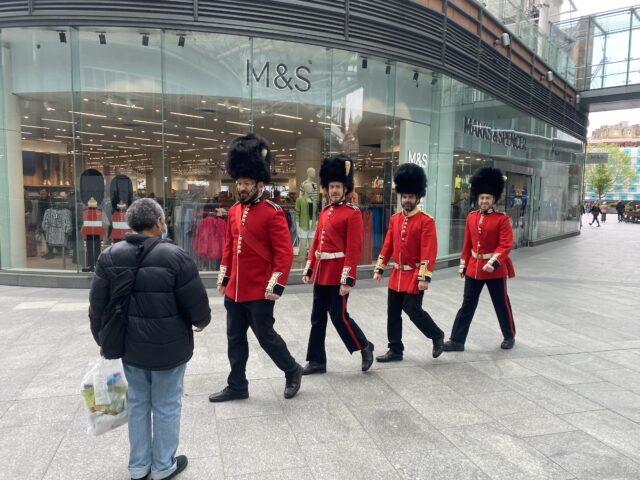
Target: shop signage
(280, 75)
(508, 138)
(414, 143)
(420, 159)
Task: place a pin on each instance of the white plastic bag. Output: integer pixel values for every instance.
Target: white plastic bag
(104, 391)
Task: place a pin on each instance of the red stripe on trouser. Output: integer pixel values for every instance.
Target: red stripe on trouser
(508, 307)
(346, 322)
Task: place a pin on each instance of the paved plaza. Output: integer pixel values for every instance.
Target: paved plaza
(563, 404)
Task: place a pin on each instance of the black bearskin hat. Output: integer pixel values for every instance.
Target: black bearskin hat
(338, 168)
(410, 179)
(249, 157)
(487, 180)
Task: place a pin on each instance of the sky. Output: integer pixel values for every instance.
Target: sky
(588, 7)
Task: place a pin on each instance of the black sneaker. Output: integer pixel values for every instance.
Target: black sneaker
(367, 357)
(438, 347)
(390, 356)
(294, 380)
(227, 394)
(314, 367)
(181, 464)
(508, 343)
(451, 346)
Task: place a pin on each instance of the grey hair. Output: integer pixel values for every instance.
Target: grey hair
(143, 214)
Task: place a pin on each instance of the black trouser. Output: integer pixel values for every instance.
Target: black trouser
(595, 219)
(620, 217)
(498, 291)
(327, 299)
(411, 304)
(603, 216)
(259, 316)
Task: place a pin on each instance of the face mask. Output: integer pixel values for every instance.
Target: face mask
(165, 232)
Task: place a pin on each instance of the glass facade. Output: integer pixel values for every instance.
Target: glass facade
(94, 118)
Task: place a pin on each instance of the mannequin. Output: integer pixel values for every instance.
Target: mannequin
(310, 186)
(306, 212)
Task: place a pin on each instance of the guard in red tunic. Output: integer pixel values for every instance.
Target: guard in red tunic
(254, 269)
(412, 243)
(332, 264)
(485, 260)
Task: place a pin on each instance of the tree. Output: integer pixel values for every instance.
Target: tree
(618, 170)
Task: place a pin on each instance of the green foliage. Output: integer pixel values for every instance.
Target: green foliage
(619, 170)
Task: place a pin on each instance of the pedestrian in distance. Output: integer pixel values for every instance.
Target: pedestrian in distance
(603, 211)
(412, 243)
(254, 269)
(168, 302)
(485, 260)
(595, 211)
(620, 211)
(331, 267)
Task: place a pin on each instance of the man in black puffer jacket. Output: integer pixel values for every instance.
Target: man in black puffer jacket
(168, 303)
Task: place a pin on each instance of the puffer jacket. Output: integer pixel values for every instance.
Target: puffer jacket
(168, 298)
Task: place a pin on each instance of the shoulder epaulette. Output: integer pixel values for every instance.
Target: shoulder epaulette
(274, 205)
(351, 205)
(425, 213)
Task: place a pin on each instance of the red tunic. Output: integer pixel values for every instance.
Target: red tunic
(339, 235)
(487, 237)
(92, 223)
(411, 241)
(257, 254)
(119, 226)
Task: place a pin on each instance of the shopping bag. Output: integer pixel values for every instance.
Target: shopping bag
(104, 391)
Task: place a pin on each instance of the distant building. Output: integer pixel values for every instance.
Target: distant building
(627, 137)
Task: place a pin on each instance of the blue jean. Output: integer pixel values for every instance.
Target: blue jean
(155, 404)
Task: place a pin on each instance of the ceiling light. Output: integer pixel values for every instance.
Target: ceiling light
(145, 121)
(90, 133)
(387, 69)
(286, 116)
(34, 126)
(200, 129)
(364, 63)
(177, 143)
(126, 105)
(117, 128)
(186, 115)
(181, 41)
(145, 39)
(239, 123)
(280, 130)
(209, 139)
(103, 38)
(167, 134)
(54, 120)
(48, 140)
(63, 36)
(138, 138)
(89, 114)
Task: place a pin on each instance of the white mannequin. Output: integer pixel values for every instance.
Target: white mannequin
(309, 186)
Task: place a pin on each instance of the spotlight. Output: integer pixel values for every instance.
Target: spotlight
(434, 80)
(181, 41)
(364, 63)
(145, 39)
(103, 38)
(387, 69)
(63, 36)
(578, 99)
(415, 75)
(550, 76)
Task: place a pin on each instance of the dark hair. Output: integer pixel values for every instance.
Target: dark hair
(143, 214)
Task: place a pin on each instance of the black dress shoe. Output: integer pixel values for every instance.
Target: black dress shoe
(314, 367)
(438, 347)
(227, 394)
(181, 462)
(508, 343)
(294, 380)
(390, 356)
(367, 356)
(451, 346)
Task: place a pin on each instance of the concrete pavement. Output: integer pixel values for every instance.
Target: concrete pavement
(563, 404)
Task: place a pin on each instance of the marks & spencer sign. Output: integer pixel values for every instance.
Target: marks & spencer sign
(484, 131)
(280, 76)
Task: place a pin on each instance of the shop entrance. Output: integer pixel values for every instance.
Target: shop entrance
(515, 202)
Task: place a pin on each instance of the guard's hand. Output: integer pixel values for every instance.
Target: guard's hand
(196, 329)
(488, 268)
(377, 277)
(345, 290)
(271, 296)
(423, 285)
(306, 280)
(221, 289)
